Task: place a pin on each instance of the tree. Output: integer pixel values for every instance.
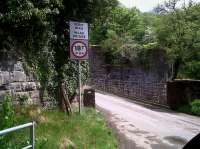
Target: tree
(122, 31)
(39, 32)
(167, 7)
(178, 32)
(127, 34)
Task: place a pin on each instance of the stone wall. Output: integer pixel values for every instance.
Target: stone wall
(15, 81)
(137, 84)
(180, 92)
(130, 82)
(154, 93)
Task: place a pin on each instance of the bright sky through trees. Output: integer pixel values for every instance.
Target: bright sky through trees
(145, 5)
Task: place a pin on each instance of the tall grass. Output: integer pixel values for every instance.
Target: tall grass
(56, 130)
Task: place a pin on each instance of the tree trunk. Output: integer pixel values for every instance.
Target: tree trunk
(41, 94)
(60, 98)
(66, 100)
(64, 103)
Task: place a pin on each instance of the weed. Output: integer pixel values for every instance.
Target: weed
(195, 107)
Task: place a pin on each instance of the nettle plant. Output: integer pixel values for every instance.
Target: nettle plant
(7, 116)
(6, 119)
(23, 99)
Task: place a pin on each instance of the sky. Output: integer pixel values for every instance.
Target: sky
(145, 5)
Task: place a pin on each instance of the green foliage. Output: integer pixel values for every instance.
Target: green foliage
(111, 46)
(178, 32)
(23, 99)
(39, 32)
(7, 120)
(191, 108)
(121, 39)
(88, 130)
(129, 35)
(191, 70)
(7, 116)
(195, 107)
(185, 109)
(123, 21)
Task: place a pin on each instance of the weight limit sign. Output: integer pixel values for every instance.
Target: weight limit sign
(79, 50)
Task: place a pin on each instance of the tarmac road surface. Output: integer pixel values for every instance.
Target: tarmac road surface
(146, 127)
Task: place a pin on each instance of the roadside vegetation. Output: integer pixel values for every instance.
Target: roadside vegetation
(37, 33)
(191, 108)
(55, 129)
(171, 32)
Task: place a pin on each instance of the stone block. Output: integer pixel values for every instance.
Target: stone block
(3, 93)
(23, 86)
(4, 87)
(18, 76)
(16, 86)
(18, 66)
(15, 81)
(29, 86)
(18, 94)
(30, 78)
(4, 77)
(34, 94)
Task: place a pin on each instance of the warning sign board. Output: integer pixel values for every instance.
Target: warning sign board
(78, 40)
(78, 30)
(78, 49)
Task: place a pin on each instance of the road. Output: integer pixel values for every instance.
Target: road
(146, 127)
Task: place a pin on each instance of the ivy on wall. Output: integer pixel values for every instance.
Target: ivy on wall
(38, 32)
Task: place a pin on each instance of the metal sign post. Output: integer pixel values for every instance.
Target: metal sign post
(79, 83)
(79, 48)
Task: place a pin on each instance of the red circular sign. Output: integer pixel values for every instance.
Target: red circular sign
(79, 49)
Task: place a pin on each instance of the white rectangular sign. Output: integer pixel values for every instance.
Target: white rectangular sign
(78, 40)
(78, 30)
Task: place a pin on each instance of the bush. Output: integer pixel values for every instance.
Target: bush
(23, 99)
(195, 107)
(185, 109)
(191, 70)
(7, 120)
(191, 108)
(7, 116)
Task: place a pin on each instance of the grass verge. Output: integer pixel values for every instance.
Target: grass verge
(56, 130)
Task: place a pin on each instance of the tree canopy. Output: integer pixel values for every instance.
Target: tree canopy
(128, 34)
(178, 32)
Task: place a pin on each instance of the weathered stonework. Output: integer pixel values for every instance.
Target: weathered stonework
(14, 80)
(180, 92)
(130, 82)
